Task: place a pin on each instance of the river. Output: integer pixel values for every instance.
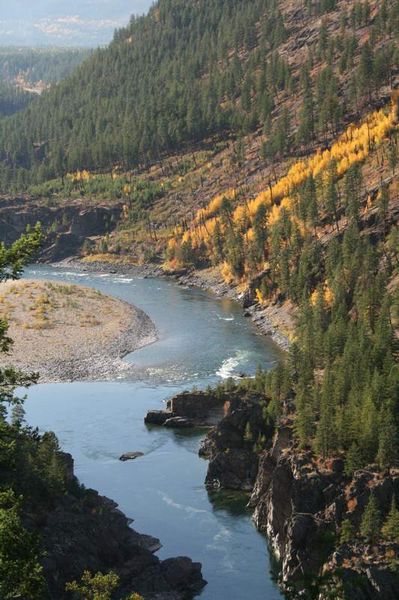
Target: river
(202, 340)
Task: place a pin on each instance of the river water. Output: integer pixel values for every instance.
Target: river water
(202, 340)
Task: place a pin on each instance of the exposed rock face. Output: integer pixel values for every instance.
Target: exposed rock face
(157, 417)
(70, 223)
(190, 409)
(197, 405)
(87, 531)
(300, 504)
(233, 464)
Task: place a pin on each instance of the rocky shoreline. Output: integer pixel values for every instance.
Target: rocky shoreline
(87, 531)
(299, 502)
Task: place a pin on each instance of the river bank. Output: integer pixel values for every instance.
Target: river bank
(201, 340)
(276, 321)
(69, 332)
(301, 503)
(82, 529)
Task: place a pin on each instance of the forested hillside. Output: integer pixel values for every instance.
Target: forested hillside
(34, 65)
(254, 143)
(12, 99)
(38, 68)
(187, 71)
(26, 72)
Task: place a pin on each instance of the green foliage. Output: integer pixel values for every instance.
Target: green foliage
(97, 587)
(34, 65)
(278, 387)
(21, 575)
(14, 258)
(390, 528)
(351, 342)
(370, 526)
(347, 532)
(353, 460)
(12, 99)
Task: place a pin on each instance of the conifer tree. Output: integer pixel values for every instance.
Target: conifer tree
(353, 460)
(388, 439)
(371, 521)
(305, 133)
(21, 575)
(390, 528)
(347, 532)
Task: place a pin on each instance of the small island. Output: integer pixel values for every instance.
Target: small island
(69, 332)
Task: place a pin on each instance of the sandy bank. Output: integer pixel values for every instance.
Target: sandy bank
(276, 321)
(68, 332)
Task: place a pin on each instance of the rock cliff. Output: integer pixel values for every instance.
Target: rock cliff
(67, 225)
(87, 531)
(300, 503)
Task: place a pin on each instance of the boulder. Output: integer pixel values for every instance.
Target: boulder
(130, 456)
(183, 574)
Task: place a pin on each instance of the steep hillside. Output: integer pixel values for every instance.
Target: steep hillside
(188, 71)
(256, 144)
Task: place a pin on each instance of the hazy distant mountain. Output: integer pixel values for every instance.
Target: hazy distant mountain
(65, 22)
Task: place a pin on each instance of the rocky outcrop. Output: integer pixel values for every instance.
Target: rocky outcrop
(300, 502)
(130, 456)
(86, 531)
(66, 224)
(190, 409)
(233, 463)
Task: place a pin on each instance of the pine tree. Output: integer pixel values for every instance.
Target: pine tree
(353, 460)
(305, 133)
(21, 575)
(332, 198)
(304, 426)
(97, 587)
(390, 528)
(371, 520)
(347, 532)
(366, 68)
(388, 440)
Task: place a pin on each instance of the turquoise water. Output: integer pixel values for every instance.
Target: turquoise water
(202, 340)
